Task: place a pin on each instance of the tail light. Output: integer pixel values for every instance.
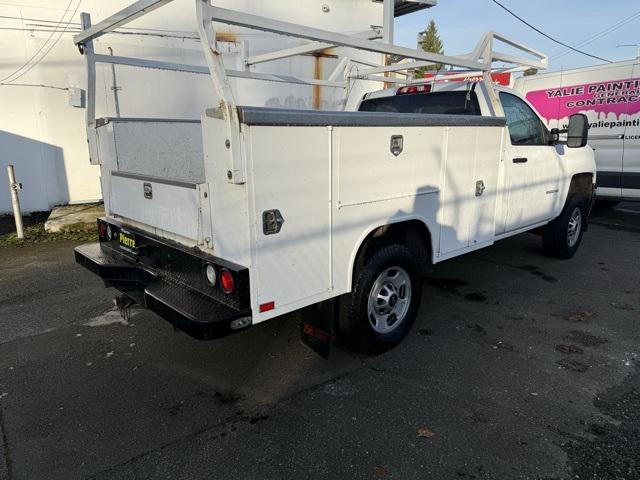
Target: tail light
(105, 231)
(102, 230)
(413, 89)
(226, 281)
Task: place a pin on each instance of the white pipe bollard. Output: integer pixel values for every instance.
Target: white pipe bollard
(15, 200)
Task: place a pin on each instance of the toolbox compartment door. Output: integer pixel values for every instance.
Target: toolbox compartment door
(291, 172)
(166, 206)
(153, 174)
(470, 188)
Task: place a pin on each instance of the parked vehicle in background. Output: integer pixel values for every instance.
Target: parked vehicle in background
(250, 213)
(610, 97)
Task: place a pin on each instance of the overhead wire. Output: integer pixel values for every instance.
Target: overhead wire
(536, 29)
(77, 24)
(28, 69)
(193, 37)
(599, 35)
(41, 46)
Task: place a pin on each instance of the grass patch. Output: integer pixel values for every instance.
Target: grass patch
(35, 233)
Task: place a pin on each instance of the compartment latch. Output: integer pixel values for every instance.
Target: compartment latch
(272, 221)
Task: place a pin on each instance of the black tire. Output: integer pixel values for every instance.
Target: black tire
(556, 239)
(355, 324)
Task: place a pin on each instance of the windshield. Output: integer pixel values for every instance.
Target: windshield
(451, 103)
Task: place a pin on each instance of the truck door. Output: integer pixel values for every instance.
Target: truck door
(532, 167)
(630, 180)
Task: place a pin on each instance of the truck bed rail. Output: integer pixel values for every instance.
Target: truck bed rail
(285, 117)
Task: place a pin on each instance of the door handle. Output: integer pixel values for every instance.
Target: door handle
(520, 160)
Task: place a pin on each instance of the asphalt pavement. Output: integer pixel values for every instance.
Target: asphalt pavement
(519, 366)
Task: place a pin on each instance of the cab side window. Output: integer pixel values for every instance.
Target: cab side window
(525, 127)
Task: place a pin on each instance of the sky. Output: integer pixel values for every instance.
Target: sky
(461, 23)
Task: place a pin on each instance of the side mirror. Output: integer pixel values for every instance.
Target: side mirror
(578, 131)
(554, 136)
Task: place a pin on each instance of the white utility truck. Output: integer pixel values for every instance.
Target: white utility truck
(249, 213)
(609, 95)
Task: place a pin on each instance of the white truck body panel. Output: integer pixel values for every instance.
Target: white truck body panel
(334, 185)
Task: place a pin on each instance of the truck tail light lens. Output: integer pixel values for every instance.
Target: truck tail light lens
(211, 274)
(102, 230)
(413, 89)
(226, 281)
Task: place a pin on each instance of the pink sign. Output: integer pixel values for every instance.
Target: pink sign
(612, 97)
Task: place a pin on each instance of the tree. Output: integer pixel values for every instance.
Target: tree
(430, 41)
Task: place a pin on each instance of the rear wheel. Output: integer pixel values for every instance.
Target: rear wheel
(384, 301)
(562, 236)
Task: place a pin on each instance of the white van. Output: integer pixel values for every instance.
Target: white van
(610, 96)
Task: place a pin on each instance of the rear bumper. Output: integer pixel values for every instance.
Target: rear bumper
(189, 310)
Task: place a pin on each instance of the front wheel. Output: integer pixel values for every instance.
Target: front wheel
(385, 300)
(562, 236)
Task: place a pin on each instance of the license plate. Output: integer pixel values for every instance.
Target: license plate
(127, 241)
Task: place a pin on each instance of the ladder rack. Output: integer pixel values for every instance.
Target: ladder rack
(479, 61)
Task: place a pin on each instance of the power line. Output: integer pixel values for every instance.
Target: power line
(600, 34)
(41, 46)
(548, 36)
(50, 47)
(9, 17)
(34, 85)
(194, 36)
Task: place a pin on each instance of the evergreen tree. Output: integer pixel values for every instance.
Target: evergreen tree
(430, 41)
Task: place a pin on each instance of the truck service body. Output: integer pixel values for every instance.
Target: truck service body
(610, 96)
(254, 212)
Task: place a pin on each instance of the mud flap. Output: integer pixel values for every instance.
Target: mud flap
(316, 326)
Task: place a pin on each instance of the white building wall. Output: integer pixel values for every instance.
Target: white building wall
(44, 136)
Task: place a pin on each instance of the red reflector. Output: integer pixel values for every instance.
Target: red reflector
(413, 89)
(226, 281)
(102, 229)
(265, 307)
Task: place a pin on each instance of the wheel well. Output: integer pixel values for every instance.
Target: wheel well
(412, 233)
(581, 184)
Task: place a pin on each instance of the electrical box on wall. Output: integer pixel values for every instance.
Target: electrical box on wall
(76, 97)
